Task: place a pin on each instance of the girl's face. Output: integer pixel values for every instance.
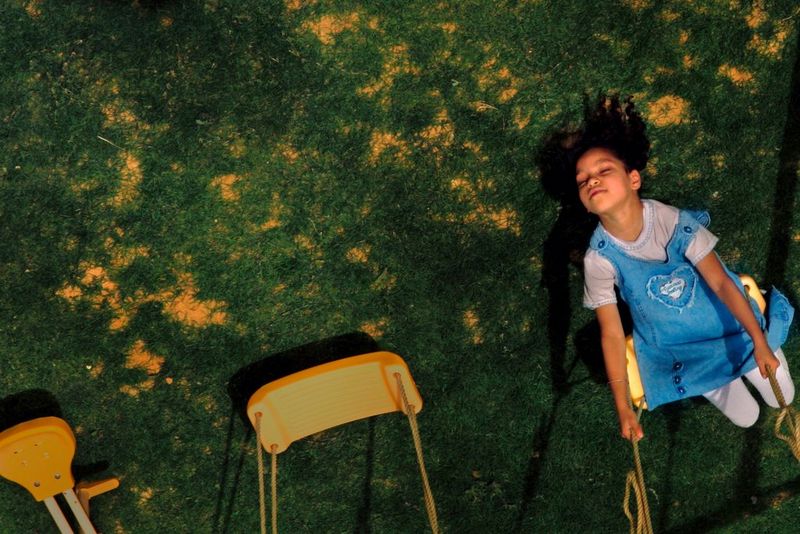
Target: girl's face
(604, 184)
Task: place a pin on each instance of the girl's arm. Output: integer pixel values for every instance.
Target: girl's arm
(714, 274)
(612, 338)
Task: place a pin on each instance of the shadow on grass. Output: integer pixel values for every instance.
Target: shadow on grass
(250, 378)
(734, 512)
(26, 405)
(785, 186)
(563, 251)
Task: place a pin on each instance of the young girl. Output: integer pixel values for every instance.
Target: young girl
(695, 332)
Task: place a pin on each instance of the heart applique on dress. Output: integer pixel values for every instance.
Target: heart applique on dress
(674, 290)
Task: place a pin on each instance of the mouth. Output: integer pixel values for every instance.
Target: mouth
(596, 192)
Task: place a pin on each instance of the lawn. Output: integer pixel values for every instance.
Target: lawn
(191, 187)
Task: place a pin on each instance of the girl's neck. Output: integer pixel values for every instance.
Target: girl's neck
(627, 222)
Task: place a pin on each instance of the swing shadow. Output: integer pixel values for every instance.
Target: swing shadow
(245, 382)
(562, 252)
(26, 405)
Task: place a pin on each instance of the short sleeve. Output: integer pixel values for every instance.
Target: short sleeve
(599, 278)
(702, 243)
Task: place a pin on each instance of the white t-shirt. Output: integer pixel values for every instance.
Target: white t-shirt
(659, 224)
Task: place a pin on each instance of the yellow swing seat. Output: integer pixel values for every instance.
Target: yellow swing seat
(634, 378)
(37, 455)
(328, 395)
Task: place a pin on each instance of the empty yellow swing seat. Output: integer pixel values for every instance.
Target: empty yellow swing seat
(329, 395)
(37, 455)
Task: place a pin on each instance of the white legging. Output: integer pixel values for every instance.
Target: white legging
(735, 401)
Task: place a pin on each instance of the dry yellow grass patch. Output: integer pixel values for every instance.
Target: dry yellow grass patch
(358, 254)
(637, 5)
(688, 61)
(134, 391)
(184, 306)
(449, 27)
(166, 22)
(439, 134)
(683, 38)
(294, 5)
(130, 178)
(327, 27)
(384, 282)
(96, 370)
(669, 110)
(493, 76)
(650, 77)
(757, 15)
(652, 167)
(521, 118)
(237, 147)
(145, 495)
(226, 184)
(96, 276)
(737, 75)
(669, 15)
(276, 209)
(501, 218)
(472, 323)
(397, 62)
(718, 161)
(306, 243)
(481, 106)
(773, 46)
(33, 8)
(375, 329)
(122, 256)
(288, 152)
(180, 302)
(140, 358)
(70, 292)
(382, 141)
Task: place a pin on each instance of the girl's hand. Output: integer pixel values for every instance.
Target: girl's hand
(765, 358)
(629, 425)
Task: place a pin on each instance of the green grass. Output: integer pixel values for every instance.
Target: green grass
(384, 180)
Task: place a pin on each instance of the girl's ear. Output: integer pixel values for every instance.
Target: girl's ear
(636, 180)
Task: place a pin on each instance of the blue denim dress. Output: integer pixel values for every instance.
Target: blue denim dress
(687, 341)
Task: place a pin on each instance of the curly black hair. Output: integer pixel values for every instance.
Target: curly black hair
(615, 126)
(608, 123)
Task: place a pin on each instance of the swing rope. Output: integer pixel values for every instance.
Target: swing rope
(430, 505)
(634, 481)
(262, 499)
(262, 508)
(787, 414)
(274, 487)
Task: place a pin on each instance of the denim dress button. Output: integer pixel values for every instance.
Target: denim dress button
(677, 366)
(676, 379)
(601, 244)
(687, 229)
(681, 390)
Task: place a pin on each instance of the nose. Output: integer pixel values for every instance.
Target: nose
(592, 181)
